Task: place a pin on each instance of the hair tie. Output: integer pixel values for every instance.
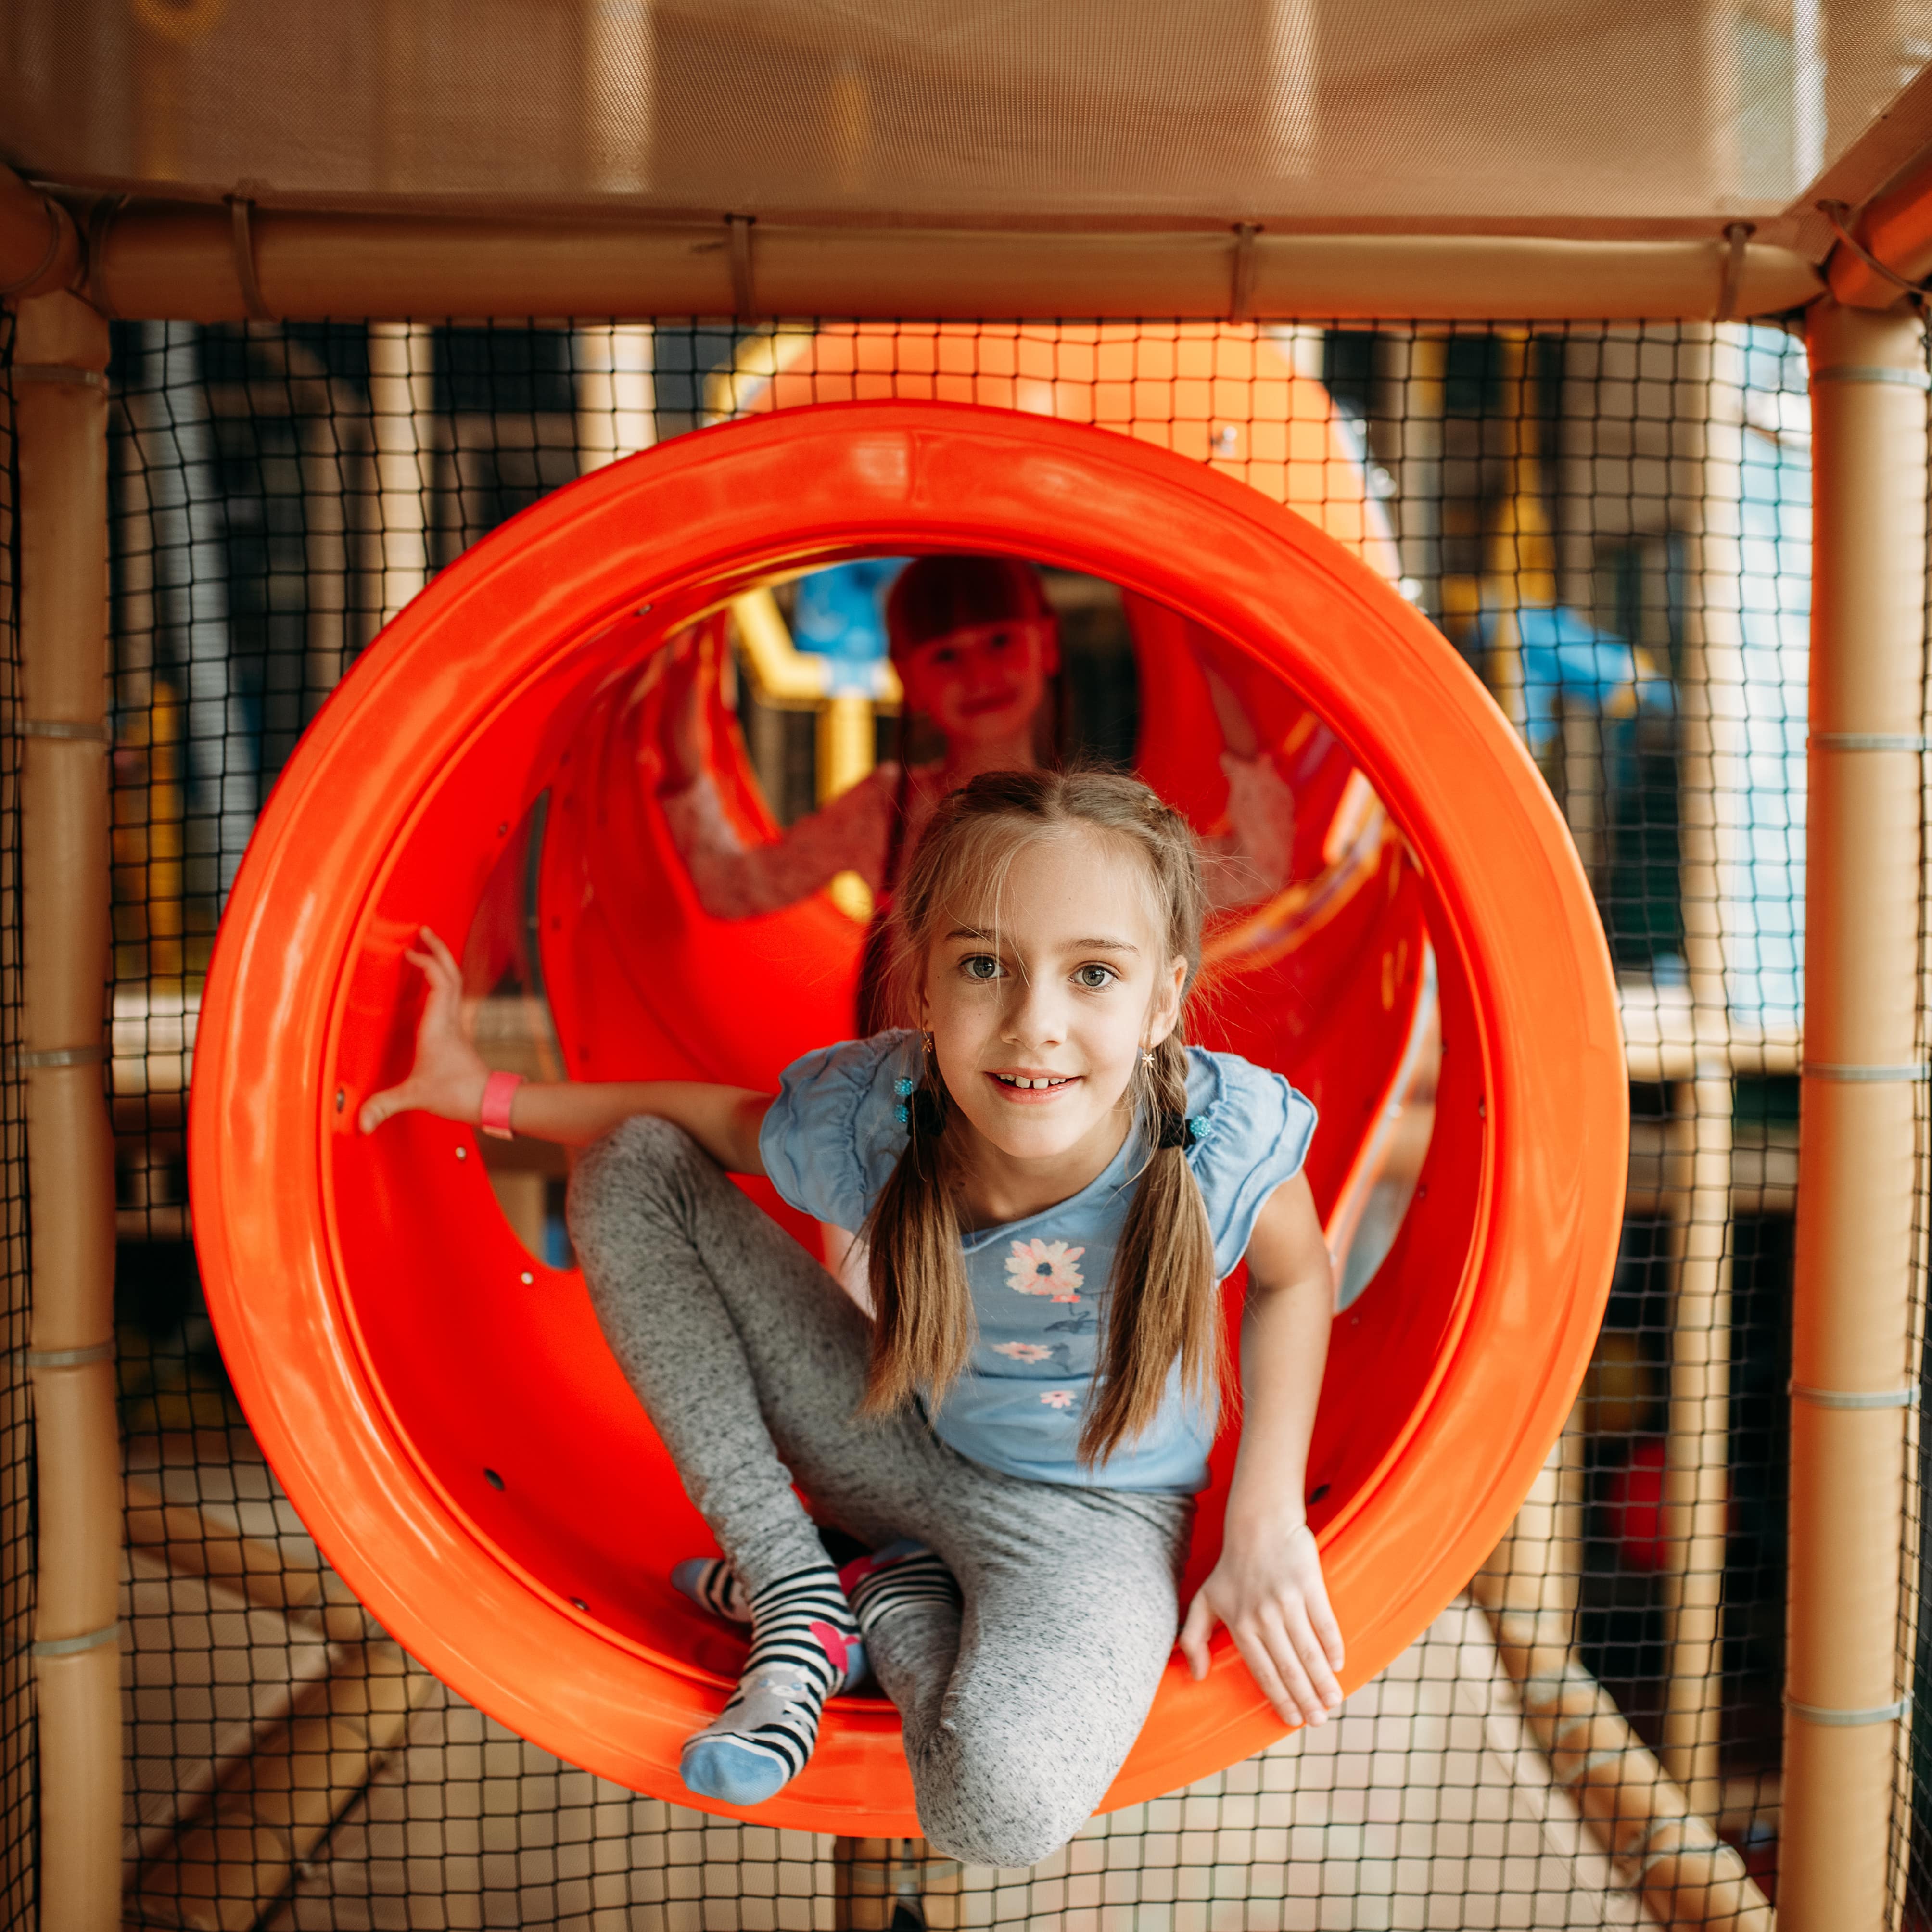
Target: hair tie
(919, 1105)
(1178, 1130)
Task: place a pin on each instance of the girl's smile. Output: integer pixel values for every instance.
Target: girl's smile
(1032, 1089)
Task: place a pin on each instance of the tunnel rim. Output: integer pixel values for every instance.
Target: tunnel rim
(1152, 477)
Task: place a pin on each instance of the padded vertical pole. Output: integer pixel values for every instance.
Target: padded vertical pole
(1854, 1267)
(617, 392)
(60, 425)
(399, 404)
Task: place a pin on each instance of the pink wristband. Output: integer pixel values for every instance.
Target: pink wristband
(499, 1091)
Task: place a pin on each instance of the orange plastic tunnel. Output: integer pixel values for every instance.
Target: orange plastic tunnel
(440, 1406)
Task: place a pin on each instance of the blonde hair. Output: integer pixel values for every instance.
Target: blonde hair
(1162, 1305)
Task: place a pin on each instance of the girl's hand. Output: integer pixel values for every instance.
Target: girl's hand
(449, 1075)
(1268, 1589)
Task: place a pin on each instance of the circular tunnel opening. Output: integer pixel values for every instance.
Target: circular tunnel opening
(432, 1388)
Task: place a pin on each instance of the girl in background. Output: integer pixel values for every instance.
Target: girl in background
(976, 648)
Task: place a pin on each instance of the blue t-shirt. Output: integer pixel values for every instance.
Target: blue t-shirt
(1039, 1285)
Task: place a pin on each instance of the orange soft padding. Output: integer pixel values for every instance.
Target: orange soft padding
(390, 1340)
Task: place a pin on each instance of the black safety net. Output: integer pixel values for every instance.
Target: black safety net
(1611, 524)
(17, 1740)
(1911, 1808)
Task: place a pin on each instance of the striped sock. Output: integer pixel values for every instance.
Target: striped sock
(894, 1579)
(805, 1647)
(712, 1585)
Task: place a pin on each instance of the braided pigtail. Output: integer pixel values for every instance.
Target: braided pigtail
(922, 1309)
(1163, 1306)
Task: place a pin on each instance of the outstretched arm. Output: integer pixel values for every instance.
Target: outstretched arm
(1258, 853)
(1268, 1587)
(448, 1077)
(733, 879)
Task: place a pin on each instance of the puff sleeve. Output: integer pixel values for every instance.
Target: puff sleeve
(1253, 1131)
(832, 1137)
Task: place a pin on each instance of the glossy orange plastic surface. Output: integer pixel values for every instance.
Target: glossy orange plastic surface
(396, 1349)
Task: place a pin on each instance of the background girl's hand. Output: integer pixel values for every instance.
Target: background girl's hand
(449, 1075)
(1268, 1589)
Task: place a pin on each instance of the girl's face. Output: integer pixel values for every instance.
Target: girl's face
(982, 683)
(1040, 1000)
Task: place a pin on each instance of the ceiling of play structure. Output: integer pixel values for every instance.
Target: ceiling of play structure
(1635, 117)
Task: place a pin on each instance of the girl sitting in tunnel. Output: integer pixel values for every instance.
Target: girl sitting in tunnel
(976, 648)
(1053, 1184)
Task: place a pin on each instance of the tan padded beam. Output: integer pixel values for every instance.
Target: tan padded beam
(39, 248)
(60, 414)
(1893, 239)
(1685, 1874)
(179, 263)
(276, 1806)
(1851, 1366)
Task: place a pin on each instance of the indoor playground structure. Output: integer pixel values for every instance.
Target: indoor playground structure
(420, 445)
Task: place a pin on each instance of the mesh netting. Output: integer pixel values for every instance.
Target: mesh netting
(17, 1426)
(1612, 524)
(1911, 1808)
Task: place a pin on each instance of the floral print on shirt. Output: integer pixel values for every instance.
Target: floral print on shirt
(1044, 1268)
(1058, 1398)
(1023, 1351)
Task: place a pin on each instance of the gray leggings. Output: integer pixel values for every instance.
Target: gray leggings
(750, 1359)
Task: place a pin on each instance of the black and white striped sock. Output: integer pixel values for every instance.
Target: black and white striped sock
(712, 1585)
(895, 1578)
(805, 1647)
